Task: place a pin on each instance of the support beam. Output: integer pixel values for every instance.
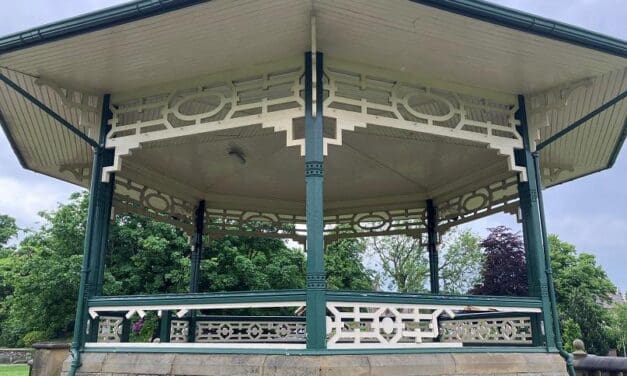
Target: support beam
(432, 240)
(314, 162)
(49, 111)
(93, 235)
(529, 206)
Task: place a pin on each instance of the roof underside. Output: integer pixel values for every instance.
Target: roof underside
(561, 81)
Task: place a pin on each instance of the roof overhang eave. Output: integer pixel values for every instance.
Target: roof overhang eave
(476, 9)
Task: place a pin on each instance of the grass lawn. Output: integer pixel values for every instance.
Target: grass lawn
(13, 370)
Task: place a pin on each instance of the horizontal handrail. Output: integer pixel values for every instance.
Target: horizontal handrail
(199, 298)
(457, 300)
(239, 297)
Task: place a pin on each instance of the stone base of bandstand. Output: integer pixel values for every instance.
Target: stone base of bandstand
(136, 364)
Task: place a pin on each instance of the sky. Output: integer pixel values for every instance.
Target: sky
(590, 213)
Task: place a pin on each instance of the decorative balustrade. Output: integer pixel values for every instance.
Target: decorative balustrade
(354, 320)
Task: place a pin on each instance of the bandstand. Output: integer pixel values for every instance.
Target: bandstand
(315, 121)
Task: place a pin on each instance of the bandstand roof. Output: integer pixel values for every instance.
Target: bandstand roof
(171, 66)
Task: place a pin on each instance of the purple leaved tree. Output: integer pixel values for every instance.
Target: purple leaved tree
(504, 270)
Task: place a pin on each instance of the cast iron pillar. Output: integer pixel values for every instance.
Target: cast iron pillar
(194, 280)
(97, 222)
(105, 199)
(532, 228)
(432, 233)
(196, 257)
(314, 162)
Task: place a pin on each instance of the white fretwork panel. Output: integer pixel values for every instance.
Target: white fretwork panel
(507, 330)
(363, 325)
(499, 196)
(136, 198)
(179, 331)
(87, 105)
(250, 331)
(358, 97)
(221, 222)
(272, 98)
(411, 222)
(109, 329)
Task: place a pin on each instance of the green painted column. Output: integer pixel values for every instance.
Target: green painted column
(314, 163)
(197, 246)
(93, 235)
(432, 248)
(532, 228)
(105, 200)
(196, 257)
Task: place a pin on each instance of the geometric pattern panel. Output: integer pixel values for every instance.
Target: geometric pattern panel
(270, 97)
(250, 331)
(358, 96)
(359, 325)
(506, 330)
(179, 331)
(109, 329)
(133, 197)
(501, 196)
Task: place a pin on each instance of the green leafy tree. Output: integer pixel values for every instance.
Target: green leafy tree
(582, 291)
(460, 262)
(8, 229)
(404, 263)
(345, 267)
(619, 327)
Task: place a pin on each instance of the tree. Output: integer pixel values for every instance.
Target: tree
(504, 269)
(345, 268)
(8, 229)
(460, 262)
(619, 327)
(404, 262)
(582, 288)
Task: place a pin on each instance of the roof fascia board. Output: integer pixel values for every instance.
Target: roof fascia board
(101, 19)
(530, 23)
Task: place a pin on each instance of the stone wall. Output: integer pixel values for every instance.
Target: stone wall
(48, 358)
(451, 364)
(14, 356)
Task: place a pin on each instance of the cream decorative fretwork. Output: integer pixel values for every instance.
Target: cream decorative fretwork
(540, 105)
(270, 97)
(411, 222)
(179, 331)
(505, 330)
(109, 329)
(133, 197)
(88, 105)
(359, 96)
(221, 222)
(250, 331)
(499, 196)
(370, 325)
(354, 325)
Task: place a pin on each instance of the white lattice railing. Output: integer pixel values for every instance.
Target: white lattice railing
(431, 322)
